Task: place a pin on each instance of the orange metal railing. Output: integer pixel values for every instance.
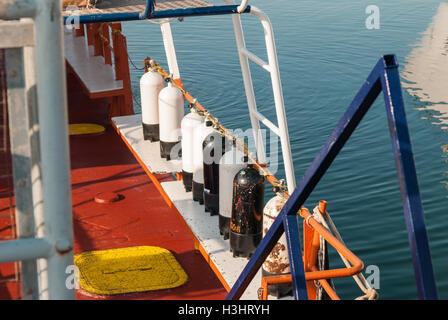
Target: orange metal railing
(313, 230)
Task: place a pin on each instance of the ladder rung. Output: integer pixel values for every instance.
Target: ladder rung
(256, 59)
(266, 122)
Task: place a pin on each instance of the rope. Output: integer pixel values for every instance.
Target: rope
(134, 66)
(369, 293)
(322, 260)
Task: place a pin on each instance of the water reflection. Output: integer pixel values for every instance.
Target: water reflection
(426, 71)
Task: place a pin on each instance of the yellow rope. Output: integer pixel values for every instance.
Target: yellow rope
(279, 186)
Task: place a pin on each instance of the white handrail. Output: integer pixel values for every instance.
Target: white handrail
(242, 7)
(57, 244)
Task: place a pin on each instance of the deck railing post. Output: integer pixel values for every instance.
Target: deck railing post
(407, 177)
(107, 44)
(89, 34)
(49, 165)
(20, 120)
(55, 158)
(170, 51)
(97, 42)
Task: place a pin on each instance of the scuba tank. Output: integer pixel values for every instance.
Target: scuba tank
(246, 223)
(277, 263)
(200, 133)
(151, 84)
(214, 147)
(229, 165)
(188, 125)
(171, 112)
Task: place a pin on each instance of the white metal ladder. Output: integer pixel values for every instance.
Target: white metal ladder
(272, 67)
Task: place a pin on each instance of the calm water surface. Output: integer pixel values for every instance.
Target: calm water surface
(325, 53)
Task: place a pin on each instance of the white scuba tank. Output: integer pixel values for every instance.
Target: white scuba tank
(171, 112)
(200, 133)
(189, 123)
(231, 162)
(151, 84)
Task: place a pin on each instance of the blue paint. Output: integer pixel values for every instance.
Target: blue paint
(148, 13)
(291, 227)
(407, 176)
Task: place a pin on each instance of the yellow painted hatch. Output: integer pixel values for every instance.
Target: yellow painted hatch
(126, 270)
(76, 129)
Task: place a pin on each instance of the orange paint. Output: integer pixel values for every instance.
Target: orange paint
(89, 32)
(79, 32)
(97, 43)
(106, 44)
(312, 232)
(322, 207)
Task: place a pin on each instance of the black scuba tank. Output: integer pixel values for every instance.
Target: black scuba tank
(214, 147)
(200, 133)
(246, 223)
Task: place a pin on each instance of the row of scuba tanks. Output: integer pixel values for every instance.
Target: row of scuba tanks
(218, 175)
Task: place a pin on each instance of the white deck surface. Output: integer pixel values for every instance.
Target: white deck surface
(149, 152)
(93, 72)
(206, 229)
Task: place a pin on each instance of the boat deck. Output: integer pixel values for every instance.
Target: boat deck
(103, 163)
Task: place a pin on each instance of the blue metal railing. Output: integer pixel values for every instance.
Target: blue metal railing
(384, 77)
(149, 13)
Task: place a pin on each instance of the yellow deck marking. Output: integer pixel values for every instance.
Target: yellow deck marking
(125, 270)
(85, 128)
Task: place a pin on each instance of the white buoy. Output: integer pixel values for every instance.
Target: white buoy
(171, 112)
(200, 133)
(189, 123)
(151, 84)
(229, 165)
(277, 262)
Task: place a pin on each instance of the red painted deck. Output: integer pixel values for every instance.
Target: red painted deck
(9, 286)
(102, 163)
